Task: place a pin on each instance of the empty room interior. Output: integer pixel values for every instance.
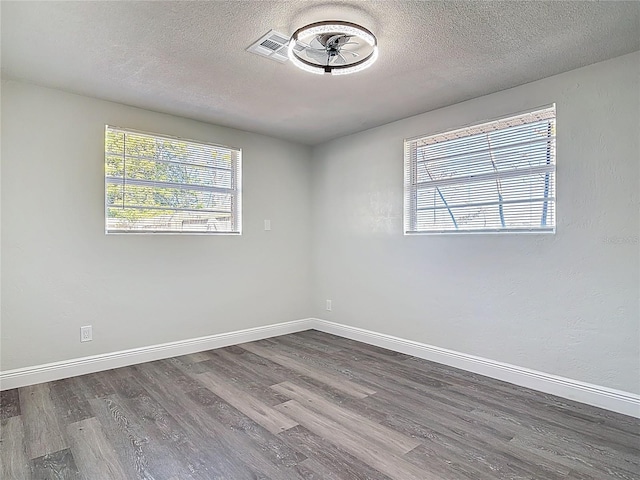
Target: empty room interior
(316, 240)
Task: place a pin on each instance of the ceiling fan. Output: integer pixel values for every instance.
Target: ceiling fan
(333, 47)
(330, 48)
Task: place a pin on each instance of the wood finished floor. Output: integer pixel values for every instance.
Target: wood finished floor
(306, 406)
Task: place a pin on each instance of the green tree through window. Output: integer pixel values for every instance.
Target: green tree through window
(161, 184)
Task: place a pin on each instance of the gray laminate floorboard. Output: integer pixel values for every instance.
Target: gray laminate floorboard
(43, 432)
(9, 403)
(14, 461)
(55, 466)
(308, 406)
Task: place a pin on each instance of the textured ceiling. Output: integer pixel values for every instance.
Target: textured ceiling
(189, 58)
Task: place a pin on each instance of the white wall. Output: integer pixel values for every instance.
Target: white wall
(566, 304)
(60, 271)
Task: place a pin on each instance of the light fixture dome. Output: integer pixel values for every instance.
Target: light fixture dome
(333, 47)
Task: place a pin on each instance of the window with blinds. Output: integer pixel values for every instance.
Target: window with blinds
(160, 184)
(493, 177)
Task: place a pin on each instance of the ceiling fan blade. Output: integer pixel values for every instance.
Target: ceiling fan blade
(349, 51)
(338, 40)
(316, 54)
(316, 43)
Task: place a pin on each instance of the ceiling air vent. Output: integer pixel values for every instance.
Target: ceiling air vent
(272, 45)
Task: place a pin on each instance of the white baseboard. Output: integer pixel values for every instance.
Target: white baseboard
(603, 397)
(21, 377)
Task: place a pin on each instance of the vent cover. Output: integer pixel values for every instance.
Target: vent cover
(272, 45)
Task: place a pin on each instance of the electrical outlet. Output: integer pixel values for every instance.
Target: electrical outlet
(86, 334)
(267, 224)
(328, 305)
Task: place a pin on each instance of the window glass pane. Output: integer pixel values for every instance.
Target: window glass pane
(495, 176)
(160, 184)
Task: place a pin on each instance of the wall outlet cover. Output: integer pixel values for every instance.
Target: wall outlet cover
(86, 333)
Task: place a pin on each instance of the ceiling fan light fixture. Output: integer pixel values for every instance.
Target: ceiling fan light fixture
(359, 67)
(303, 66)
(321, 48)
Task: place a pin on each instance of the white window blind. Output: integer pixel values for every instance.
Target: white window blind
(160, 184)
(494, 177)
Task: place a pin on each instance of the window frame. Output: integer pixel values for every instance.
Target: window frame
(410, 209)
(235, 191)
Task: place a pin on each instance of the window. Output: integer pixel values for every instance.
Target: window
(160, 184)
(494, 177)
